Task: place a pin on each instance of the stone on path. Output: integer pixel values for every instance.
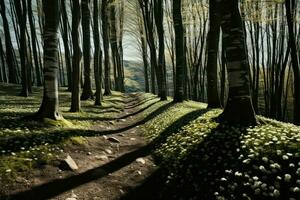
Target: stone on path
(108, 151)
(113, 139)
(141, 160)
(102, 157)
(70, 163)
(73, 197)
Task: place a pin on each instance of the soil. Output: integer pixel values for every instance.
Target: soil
(110, 166)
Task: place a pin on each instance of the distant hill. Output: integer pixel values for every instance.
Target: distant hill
(134, 76)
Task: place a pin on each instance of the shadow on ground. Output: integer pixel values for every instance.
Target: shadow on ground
(59, 186)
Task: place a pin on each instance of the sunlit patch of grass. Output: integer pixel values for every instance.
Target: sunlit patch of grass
(208, 160)
(79, 140)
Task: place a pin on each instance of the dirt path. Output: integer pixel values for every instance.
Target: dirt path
(109, 165)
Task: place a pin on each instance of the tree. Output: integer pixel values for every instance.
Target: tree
(179, 51)
(239, 109)
(34, 43)
(66, 41)
(161, 67)
(213, 99)
(290, 10)
(105, 36)
(87, 92)
(77, 55)
(97, 56)
(9, 50)
(21, 11)
(49, 107)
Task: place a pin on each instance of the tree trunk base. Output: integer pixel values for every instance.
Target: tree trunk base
(87, 96)
(238, 111)
(107, 93)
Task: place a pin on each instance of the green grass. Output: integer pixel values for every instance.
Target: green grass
(202, 159)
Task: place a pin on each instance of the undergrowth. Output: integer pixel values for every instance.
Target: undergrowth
(207, 160)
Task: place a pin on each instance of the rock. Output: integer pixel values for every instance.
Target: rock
(21, 180)
(123, 120)
(111, 122)
(132, 139)
(89, 153)
(108, 151)
(122, 191)
(122, 135)
(141, 160)
(139, 172)
(102, 157)
(113, 139)
(69, 164)
(105, 137)
(71, 198)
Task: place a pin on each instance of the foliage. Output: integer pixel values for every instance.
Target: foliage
(208, 160)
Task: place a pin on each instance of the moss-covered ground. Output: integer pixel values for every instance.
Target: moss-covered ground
(203, 159)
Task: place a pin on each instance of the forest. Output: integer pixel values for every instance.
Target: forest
(149, 99)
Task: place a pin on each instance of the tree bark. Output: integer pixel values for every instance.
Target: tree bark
(105, 35)
(87, 92)
(239, 109)
(49, 108)
(179, 52)
(77, 56)
(290, 10)
(9, 50)
(213, 98)
(97, 56)
(161, 67)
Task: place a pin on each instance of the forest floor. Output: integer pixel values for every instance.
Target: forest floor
(136, 147)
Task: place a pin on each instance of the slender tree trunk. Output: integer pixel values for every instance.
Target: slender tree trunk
(49, 107)
(145, 59)
(9, 50)
(65, 37)
(77, 56)
(290, 10)
(213, 99)
(3, 75)
(105, 35)
(239, 109)
(161, 67)
(21, 11)
(34, 43)
(179, 51)
(87, 92)
(97, 56)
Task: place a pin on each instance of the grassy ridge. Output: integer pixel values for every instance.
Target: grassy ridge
(207, 160)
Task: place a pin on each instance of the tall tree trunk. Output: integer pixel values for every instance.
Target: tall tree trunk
(34, 43)
(9, 50)
(105, 35)
(3, 75)
(65, 37)
(87, 92)
(239, 109)
(161, 67)
(49, 107)
(145, 57)
(77, 56)
(114, 45)
(179, 51)
(290, 11)
(21, 11)
(213, 98)
(97, 56)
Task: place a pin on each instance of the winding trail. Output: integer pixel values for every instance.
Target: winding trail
(109, 165)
